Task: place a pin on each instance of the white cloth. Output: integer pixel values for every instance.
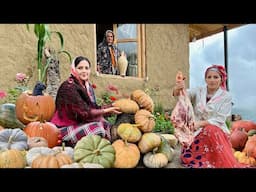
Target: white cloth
(215, 111)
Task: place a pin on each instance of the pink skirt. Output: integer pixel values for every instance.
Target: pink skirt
(211, 148)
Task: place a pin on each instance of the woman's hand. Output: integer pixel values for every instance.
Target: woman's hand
(180, 85)
(199, 124)
(114, 110)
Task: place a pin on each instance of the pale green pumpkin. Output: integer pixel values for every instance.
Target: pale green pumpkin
(94, 149)
(165, 149)
(8, 117)
(13, 139)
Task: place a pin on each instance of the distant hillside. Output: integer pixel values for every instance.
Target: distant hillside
(247, 114)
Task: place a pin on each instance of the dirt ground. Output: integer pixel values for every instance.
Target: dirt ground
(175, 163)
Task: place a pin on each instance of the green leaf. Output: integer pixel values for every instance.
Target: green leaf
(43, 35)
(68, 54)
(61, 39)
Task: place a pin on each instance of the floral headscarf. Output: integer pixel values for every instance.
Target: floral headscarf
(74, 72)
(221, 70)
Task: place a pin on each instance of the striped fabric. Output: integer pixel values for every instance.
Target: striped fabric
(71, 134)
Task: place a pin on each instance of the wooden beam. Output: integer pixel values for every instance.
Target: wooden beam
(200, 31)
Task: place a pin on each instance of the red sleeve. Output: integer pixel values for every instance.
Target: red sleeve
(74, 100)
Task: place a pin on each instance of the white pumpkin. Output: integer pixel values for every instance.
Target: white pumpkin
(35, 152)
(63, 149)
(72, 165)
(155, 160)
(172, 140)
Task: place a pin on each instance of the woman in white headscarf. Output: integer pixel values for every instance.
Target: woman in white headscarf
(211, 147)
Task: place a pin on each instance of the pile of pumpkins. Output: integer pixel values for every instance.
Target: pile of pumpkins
(28, 140)
(243, 140)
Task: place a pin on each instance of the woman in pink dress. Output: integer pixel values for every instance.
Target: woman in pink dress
(211, 147)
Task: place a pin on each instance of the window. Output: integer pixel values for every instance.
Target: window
(130, 39)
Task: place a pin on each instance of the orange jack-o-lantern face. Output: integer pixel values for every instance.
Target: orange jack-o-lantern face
(31, 108)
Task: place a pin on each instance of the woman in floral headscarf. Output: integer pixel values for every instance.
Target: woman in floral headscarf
(211, 147)
(107, 54)
(77, 113)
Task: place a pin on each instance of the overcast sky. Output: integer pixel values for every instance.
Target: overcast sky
(241, 65)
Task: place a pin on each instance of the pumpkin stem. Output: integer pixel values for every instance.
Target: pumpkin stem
(155, 150)
(63, 146)
(10, 140)
(96, 151)
(41, 119)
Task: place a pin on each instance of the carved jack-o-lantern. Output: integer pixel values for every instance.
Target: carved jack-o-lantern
(31, 108)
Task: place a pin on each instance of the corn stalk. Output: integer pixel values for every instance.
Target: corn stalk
(43, 35)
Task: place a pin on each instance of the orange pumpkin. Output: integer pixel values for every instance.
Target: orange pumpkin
(127, 154)
(238, 139)
(12, 158)
(145, 120)
(143, 99)
(246, 124)
(46, 130)
(250, 146)
(243, 158)
(126, 105)
(51, 161)
(148, 142)
(31, 108)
